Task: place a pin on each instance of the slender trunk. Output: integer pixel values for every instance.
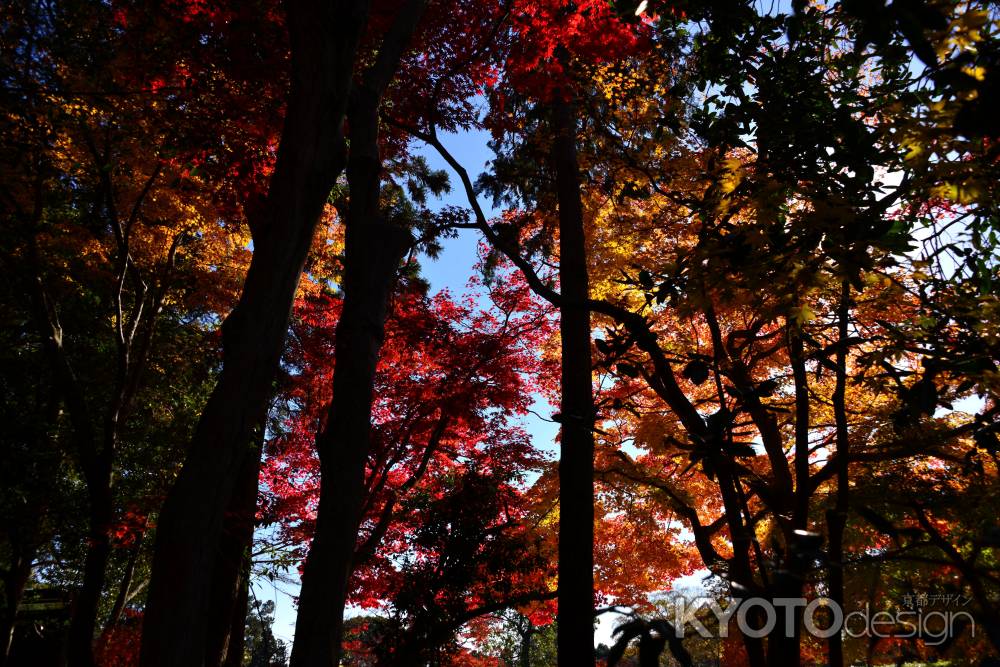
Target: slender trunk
(783, 647)
(14, 582)
(237, 632)
(526, 633)
(372, 253)
(94, 464)
(837, 519)
(232, 564)
(81, 631)
(740, 569)
(575, 639)
(373, 249)
(800, 515)
(125, 587)
(324, 38)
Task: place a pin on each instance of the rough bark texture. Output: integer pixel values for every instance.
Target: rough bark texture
(324, 39)
(576, 461)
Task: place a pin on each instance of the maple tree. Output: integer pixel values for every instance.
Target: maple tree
(449, 381)
(546, 38)
(717, 200)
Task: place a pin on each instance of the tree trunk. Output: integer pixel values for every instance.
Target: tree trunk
(14, 581)
(94, 464)
(373, 249)
(81, 632)
(524, 659)
(124, 587)
(229, 583)
(372, 253)
(837, 519)
(576, 461)
(237, 631)
(324, 39)
(783, 650)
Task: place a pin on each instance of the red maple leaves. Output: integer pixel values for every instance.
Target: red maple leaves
(452, 382)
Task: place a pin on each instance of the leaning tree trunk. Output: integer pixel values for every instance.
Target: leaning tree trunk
(324, 39)
(229, 584)
(373, 249)
(124, 589)
(372, 253)
(575, 639)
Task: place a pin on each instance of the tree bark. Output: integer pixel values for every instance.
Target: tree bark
(373, 250)
(237, 631)
(229, 583)
(575, 640)
(14, 580)
(372, 253)
(84, 623)
(837, 519)
(524, 658)
(324, 39)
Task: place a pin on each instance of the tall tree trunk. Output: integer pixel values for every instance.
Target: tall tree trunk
(783, 647)
(324, 39)
(232, 566)
(94, 463)
(526, 632)
(81, 631)
(237, 632)
(575, 639)
(373, 249)
(372, 253)
(837, 519)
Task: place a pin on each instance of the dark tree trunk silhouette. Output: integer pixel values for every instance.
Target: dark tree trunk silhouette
(324, 38)
(229, 583)
(576, 461)
(837, 518)
(124, 588)
(237, 632)
(81, 632)
(373, 250)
